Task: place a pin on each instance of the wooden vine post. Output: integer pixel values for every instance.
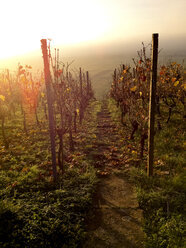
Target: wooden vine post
(87, 76)
(152, 104)
(81, 95)
(115, 75)
(50, 107)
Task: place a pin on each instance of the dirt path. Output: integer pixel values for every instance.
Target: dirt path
(116, 217)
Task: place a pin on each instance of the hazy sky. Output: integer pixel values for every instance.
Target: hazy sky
(25, 22)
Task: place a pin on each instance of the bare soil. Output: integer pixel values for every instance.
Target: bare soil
(115, 219)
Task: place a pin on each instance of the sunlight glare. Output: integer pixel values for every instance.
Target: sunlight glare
(65, 22)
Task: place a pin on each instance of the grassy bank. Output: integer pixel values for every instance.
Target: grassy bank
(162, 197)
(35, 211)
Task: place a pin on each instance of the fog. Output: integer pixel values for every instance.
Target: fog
(100, 59)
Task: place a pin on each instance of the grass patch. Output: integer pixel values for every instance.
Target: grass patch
(35, 212)
(161, 197)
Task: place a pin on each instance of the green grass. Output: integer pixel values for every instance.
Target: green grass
(35, 212)
(163, 196)
(49, 216)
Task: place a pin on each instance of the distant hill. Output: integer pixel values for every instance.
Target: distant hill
(100, 60)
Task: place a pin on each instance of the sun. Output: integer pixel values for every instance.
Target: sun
(66, 22)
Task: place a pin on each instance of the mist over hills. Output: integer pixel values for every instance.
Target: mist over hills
(100, 59)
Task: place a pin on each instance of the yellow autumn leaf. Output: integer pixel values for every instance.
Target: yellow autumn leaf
(121, 79)
(2, 98)
(42, 80)
(173, 63)
(23, 79)
(133, 89)
(140, 93)
(42, 94)
(176, 83)
(77, 110)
